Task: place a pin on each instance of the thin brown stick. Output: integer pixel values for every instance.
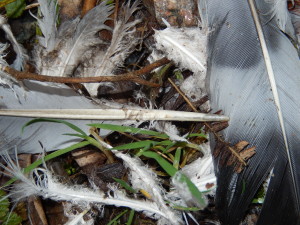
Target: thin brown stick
(207, 125)
(130, 76)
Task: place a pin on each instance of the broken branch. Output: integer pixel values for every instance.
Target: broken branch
(130, 76)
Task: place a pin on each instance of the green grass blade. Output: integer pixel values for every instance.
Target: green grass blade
(192, 188)
(182, 208)
(117, 217)
(197, 135)
(177, 158)
(126, 129)
(136, 145)
(130, 218)
(38, 120)
(125, 185)
(171, 170)
(76, 135)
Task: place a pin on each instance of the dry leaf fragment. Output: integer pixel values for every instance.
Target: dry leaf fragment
(235, 156)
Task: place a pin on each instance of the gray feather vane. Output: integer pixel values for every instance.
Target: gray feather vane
(254, 78)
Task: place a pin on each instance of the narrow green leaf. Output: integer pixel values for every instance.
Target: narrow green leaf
(197, 135)
(130, 218)
(140, 144)
(15, 9)
(169, 146)
(192, 188)
(117, 217)
(126, 129)
(177, 158)
(161, 161)
(178, 75)
(38, 120)
(77, 135)
(125, 185)
(183, 208)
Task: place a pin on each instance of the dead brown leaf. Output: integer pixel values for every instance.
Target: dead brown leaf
(235, 156)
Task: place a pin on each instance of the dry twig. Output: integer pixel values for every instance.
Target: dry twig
(130, 76)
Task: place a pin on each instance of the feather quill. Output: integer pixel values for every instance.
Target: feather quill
(253, 78)
(122, 44)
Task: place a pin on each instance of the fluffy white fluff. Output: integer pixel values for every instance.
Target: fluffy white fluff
(201, 173)
(21, 57)
(122, 44)
(187, 48)
(74, 39)
(42, 183)
(47, 24)
(142, 177)
(5, 79)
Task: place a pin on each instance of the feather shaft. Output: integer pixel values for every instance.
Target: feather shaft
(113, 114)
(273, 83)
(48, 187)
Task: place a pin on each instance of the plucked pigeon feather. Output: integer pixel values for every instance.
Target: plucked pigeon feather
(187, 48)
(41, 182)
(47, 24)
(75, 38)
(253, 77)
(123, 42)
(5, 79)
(21, 56)
(41, 136)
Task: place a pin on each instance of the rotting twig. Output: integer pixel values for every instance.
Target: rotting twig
(130, 76)
(208, 126)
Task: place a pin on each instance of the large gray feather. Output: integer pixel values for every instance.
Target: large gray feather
(48, 135)
(239, 85)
